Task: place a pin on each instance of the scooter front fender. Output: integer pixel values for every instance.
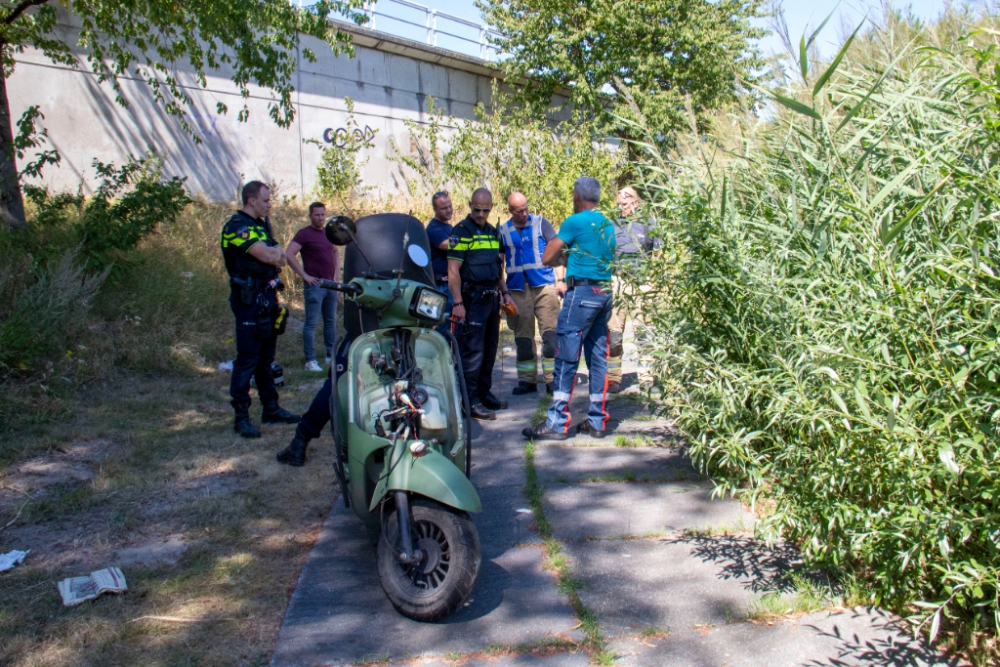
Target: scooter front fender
(433, 476)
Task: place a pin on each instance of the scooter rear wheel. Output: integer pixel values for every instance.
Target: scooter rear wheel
(443, 581)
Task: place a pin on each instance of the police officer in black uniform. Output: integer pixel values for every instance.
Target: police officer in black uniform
(475, 278)
(253, 260)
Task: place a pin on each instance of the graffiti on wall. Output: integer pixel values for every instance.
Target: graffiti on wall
(340, 136)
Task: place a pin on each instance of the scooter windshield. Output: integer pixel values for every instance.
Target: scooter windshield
(380, 239)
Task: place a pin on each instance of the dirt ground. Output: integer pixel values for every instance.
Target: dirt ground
(145, 473)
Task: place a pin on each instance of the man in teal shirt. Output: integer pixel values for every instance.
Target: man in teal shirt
(588, 239)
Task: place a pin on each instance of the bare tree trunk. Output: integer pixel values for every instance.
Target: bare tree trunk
(11, 201)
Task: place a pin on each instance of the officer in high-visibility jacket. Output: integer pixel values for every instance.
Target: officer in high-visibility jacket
(475, 278)
(253, 259)
(535, 289)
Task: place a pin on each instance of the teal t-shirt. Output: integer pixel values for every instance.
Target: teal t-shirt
(590, 238)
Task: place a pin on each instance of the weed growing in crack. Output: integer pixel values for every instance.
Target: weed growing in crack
(557, 562)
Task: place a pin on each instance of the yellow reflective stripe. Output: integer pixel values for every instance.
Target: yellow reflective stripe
(254, 234)
(484, 243)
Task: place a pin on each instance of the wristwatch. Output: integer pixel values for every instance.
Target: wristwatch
(457, 304)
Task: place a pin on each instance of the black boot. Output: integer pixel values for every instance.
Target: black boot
(480, 412)
(295, 453)
(523, 388)
(586, 429)
(492, 402)
(548, 388)
(275, 414)
(244, 427)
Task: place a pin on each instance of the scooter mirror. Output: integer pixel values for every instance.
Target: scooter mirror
(340, 230)
(418, 255)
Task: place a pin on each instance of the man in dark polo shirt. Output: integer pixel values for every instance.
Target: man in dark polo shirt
(320, 261)
(439, 235)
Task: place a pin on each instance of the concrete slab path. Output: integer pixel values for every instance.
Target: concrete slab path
(673, 576)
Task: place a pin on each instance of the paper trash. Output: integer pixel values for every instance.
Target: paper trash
(12, 558)
(78, 589)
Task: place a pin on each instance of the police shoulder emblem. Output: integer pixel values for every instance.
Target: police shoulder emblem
(453, 241)
(243, 232)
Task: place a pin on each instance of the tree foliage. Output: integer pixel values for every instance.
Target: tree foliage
(256, 44)
(674, 57)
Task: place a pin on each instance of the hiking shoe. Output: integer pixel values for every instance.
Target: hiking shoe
(275, 414)
(523, 388)
(245, 428)
(543, 432)
(313, 367)
(492, 402)
(480, 412)
(586, 429)
(614, 387)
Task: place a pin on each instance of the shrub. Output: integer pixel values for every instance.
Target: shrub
(508, 150)
(828, 336)
(128, 205)
(338, 177)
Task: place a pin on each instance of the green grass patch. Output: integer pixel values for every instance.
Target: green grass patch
(806, 596)
(637, 440)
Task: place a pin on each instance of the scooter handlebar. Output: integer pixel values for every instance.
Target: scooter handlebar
(347, 288)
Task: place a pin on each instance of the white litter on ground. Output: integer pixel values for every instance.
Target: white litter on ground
(12, 558)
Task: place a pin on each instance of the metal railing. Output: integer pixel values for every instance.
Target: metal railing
(432, 19)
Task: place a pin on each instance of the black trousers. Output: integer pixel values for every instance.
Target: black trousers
(478, 338)
(254, 355)
(318, 416)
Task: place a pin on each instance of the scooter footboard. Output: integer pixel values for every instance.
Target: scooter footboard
(433, 476)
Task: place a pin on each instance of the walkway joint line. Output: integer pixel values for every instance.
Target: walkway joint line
(555, 560)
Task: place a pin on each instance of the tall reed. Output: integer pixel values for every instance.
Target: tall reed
(828, 327)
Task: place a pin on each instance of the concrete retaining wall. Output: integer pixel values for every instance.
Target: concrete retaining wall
(389, 80)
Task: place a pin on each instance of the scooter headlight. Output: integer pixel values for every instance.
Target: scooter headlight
(429, 304)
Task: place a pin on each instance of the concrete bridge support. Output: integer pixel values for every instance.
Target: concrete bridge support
(389, 80)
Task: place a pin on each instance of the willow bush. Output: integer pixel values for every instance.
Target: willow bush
(507, 149)
(827, 331)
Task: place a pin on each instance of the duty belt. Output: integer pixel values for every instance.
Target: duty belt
(572, 282)
(261, 284)
(483, 289)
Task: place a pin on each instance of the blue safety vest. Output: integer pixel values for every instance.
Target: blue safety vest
(523, 250)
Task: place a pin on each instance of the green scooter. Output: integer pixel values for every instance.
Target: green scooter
(402, 438)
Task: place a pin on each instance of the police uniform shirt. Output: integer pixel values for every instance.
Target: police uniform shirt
(239, 235)
(478, 248)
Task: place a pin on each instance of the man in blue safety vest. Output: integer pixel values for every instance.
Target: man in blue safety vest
(535, 289)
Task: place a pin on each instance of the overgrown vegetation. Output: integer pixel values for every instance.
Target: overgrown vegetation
(827, 332)
(338, 177)
(78, 305)
(508, 149)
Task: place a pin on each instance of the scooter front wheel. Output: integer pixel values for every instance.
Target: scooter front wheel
(443, 580)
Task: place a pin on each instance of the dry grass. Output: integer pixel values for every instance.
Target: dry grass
(119, 450)
(146, 474)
